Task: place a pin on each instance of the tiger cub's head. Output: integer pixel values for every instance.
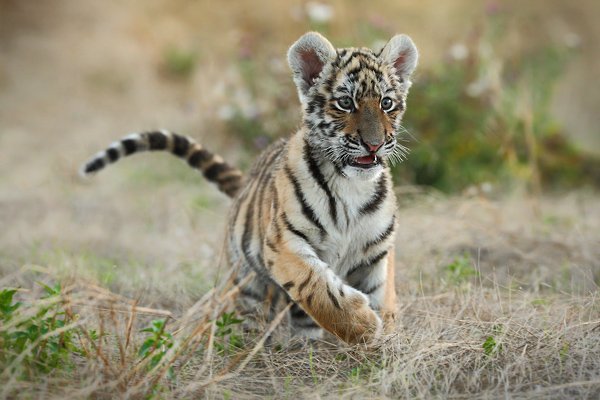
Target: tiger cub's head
(353, 100)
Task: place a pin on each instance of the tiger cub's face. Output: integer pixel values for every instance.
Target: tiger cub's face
(353, 100)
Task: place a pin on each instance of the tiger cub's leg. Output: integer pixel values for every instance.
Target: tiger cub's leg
(376, 280)
(257, 301)
(390, 306)
(310, 283)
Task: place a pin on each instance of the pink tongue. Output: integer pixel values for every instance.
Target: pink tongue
(366, 159)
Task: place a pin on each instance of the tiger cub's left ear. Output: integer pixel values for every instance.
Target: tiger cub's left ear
(307, 58)
(402, 53)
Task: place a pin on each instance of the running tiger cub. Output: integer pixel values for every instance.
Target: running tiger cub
(314, 219)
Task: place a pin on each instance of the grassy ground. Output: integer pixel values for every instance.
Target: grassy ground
(498, 293)
(496, 298)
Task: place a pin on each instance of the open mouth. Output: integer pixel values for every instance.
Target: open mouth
(366, 161)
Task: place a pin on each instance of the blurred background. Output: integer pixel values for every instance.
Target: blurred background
(505, 100)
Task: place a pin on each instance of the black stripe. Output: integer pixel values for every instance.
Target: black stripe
(382, 236)
(212, 172)
(335, 301)
(250, 293)
(129, 145)
(288, 285)
(310, 324)
(273, 304)
(320, 179)
(248, 234)
(352, 140)
(373, 288)
(275, 201)
(181, 145)
(355, 70)
(261, 197)
(94, 165)
(275, 205)
(229, 179)
(272, 246)
(292, 229)
(305, 282)
(278, 233)
(307, 210)
(297, 312)
(157, 141)
(339, 170)
(375, 202)
(113, 154)
(367, 264)
(249, 224)
(309, 299)
(347, 61)
(199, 157)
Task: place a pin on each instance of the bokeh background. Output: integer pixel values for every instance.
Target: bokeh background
(498, 243)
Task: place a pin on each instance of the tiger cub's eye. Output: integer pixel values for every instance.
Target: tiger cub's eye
(386, 104)
(345, 104)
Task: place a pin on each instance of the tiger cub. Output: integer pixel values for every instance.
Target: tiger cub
(314, 219)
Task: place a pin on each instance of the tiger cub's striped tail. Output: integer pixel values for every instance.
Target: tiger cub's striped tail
(212, 166)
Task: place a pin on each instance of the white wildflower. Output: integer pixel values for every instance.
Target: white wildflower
(572, 40)
(226, 112)
(319, 12)
(477, 88)
(459, 51)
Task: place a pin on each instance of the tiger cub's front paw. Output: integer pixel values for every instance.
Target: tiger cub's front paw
(366, 326)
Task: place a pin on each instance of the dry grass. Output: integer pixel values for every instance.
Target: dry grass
(497, 297)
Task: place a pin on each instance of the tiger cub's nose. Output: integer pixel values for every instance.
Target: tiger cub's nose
(372, 147)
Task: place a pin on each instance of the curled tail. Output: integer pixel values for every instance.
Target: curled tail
(212, 166)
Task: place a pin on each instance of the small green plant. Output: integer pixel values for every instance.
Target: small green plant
(564, 351)
(228, 339)
(180, 63)
(460, 270)
(288, 382)
(7, 307)
(363, 372)
(490, 345)
(36, 333)
(157, 344)
(355, 374)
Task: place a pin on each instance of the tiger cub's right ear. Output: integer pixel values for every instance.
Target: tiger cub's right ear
(306, 58)
(401, 53)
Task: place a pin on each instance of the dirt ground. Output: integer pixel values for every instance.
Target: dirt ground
(75, 75)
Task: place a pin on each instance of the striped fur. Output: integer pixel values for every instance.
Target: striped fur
(314, 219)
(227, 178)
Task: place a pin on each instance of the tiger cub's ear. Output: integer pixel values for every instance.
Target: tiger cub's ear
(306, 58)
(401, 53)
